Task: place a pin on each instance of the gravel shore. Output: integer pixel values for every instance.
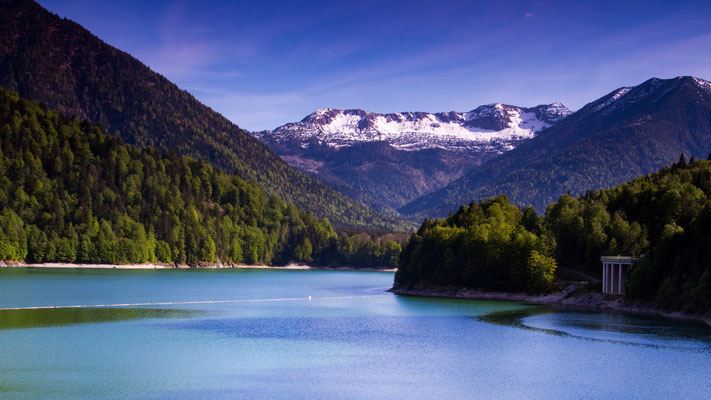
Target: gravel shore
(172, 266)
(574, 295)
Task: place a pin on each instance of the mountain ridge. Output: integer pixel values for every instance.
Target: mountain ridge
(58, 62)
(387, 160)
(650, 124)
(492, 124)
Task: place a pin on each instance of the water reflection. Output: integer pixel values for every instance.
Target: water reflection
(613, 327)
(36, 318)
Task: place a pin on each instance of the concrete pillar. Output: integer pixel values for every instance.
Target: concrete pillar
(611, 283)
(619, 281)
(604, 276)
(612, 279)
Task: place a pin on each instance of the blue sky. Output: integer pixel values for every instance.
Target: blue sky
(266, 63)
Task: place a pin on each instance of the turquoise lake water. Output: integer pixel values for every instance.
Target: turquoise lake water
(352, 340)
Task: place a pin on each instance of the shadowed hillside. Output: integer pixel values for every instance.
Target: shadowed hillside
(56, 61)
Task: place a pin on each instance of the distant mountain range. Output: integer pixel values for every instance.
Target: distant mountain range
(629, 132)
(386, 160)
(426, 165)
(59, 63)
(492, 127)
(408, 164)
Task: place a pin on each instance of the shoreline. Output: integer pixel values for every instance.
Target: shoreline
(4, 264)
(570, 296)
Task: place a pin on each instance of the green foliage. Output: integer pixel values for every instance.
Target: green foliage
(540, 271)
(596, 147)
(302, 252)
(163, 254)
(13, 246)
(664, 217)
(57, 62)
(486, 245)
(68, 193)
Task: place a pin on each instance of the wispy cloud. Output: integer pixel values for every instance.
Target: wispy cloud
(269, 62)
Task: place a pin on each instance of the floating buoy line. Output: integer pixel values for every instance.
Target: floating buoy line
(171, 303)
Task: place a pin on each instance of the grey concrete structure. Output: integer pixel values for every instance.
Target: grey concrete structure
(615, 271)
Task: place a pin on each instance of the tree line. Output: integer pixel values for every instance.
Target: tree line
(70, 193)
(491, 245)
(105, 85)
(664, 217)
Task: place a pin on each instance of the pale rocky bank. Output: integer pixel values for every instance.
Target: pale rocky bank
(12, 264)
(575, 294)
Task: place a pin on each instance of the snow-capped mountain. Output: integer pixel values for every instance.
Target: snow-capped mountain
(387, 160)
(653, 90)
(493, 127)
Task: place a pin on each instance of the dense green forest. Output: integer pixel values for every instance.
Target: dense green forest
(70, 193)
(492, 245)
(59, 63)
(664, 217)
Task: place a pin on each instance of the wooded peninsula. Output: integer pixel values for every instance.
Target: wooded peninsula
(664, 217)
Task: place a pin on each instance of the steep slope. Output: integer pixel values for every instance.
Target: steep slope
(629, 132)
(69, 192)
(378, 174)
(387, 160)
(59, 63)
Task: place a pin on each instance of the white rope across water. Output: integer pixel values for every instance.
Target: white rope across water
(170, 303)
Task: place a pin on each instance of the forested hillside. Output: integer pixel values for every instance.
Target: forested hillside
(378, 174)
(70, 193)
(491, 245)
(629, 132)
(56, 61)
(664, 217)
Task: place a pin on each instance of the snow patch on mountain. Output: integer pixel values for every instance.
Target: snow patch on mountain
(702, 83)
(654, 89)
(495, 127)
(704, 87)
(619, 93)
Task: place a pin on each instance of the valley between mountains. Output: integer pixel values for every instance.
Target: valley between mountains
(388, 160)
(417, 164)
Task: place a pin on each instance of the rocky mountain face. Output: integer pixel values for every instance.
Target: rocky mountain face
(387, 160)
(629, 132)
(492, 127)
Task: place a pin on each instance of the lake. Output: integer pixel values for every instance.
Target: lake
(255, 334)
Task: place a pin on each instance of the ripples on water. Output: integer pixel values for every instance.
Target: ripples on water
(610, 326)
(350, 341)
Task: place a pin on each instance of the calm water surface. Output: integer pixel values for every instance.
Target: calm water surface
(352, 340)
